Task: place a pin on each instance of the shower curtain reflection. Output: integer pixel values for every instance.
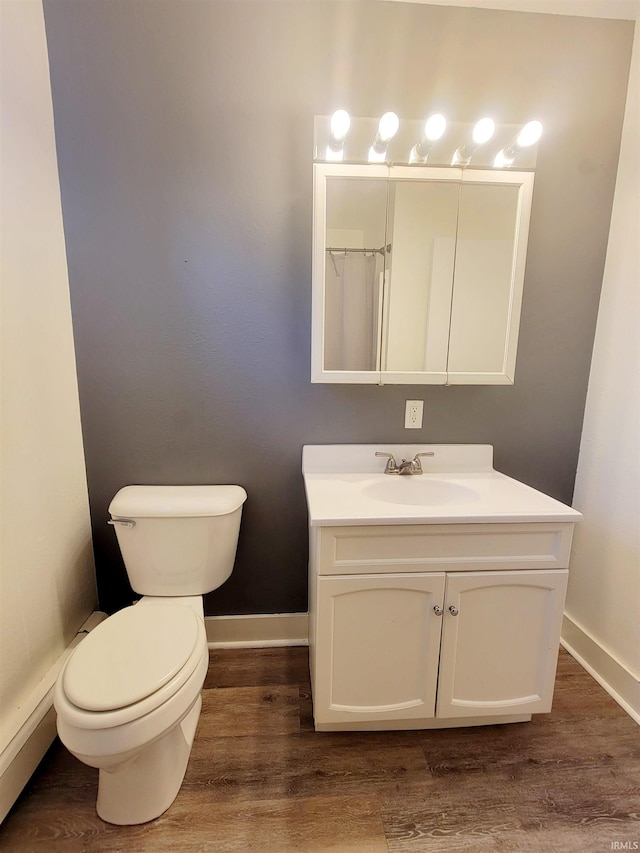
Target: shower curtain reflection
(351, 311)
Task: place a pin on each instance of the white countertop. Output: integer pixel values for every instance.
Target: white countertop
(476, 495)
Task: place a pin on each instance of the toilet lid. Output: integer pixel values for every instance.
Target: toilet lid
(129, 656)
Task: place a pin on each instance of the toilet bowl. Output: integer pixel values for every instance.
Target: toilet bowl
(138, 729)
(128, 697)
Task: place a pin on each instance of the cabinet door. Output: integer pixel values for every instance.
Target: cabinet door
(500, 649)
(378, 640)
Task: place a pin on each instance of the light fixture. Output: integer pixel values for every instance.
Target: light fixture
(433, 130)
(339, 127)
(341, 136)
(483, 130)
(528, 136)
(387, 129)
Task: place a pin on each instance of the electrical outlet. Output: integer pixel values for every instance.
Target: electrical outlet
(413, 414)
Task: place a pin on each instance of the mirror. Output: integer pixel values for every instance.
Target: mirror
(353, 279)
(481, 309)
(417, 273)
(423, 219)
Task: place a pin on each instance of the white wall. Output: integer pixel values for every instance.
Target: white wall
(47, 581)
(603, 605)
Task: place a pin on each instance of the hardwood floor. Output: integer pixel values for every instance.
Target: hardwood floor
(261, 779)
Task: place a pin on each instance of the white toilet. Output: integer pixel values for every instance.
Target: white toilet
(128, 697)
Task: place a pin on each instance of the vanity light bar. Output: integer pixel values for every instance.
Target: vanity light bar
(428, 146)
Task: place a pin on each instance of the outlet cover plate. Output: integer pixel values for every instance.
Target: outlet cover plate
(413, 414)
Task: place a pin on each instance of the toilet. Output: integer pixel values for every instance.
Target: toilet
(128, 697)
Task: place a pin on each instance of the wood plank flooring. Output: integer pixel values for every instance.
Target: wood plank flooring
(261, 780)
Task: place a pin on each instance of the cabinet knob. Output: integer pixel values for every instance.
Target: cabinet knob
(437, 610)
(453, 610)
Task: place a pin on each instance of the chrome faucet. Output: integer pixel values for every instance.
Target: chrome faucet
(412, 466)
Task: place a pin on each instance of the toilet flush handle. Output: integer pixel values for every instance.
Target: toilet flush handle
(125, 522)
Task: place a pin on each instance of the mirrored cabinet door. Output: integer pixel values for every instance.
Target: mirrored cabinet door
(422, 218)
(349, 247)
(493, 226)
(356, 210)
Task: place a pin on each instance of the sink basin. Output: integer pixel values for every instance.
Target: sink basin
(418, 491)
(345, 485)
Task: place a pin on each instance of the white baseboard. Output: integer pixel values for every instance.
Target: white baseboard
(621, 684)
(32, 731)
(257, 631)
(19, 770)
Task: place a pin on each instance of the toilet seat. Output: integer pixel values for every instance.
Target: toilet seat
(130, 656)
(130, 665)
(90, 734)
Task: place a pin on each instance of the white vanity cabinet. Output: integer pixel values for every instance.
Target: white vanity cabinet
(434, 600)
(429, 626)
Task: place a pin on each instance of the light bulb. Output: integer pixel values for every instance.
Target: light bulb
(335, 155)
(483, 131)
(530, 134)
(435, 127)
(388, 127)
(503, 161)
(462, 156)
(340, 124)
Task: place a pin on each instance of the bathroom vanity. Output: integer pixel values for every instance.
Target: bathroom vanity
(435, 600)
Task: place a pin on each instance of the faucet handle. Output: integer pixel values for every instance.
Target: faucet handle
(417, 465)
(391, 467)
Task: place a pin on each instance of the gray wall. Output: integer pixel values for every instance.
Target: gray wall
(184, 133)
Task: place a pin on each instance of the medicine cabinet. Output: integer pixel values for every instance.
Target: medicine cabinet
(417, 273)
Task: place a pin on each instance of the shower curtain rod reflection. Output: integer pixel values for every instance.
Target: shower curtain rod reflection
(384, 250)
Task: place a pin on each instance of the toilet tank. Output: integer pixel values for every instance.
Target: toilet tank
(177, 540)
